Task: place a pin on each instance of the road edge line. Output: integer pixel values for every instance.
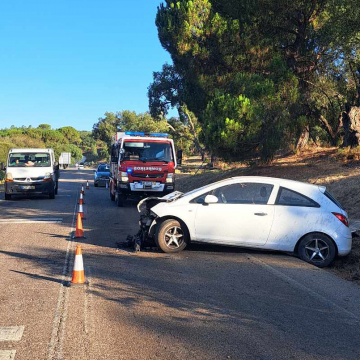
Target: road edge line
(58, 329)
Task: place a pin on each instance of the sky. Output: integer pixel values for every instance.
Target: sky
(67, 62)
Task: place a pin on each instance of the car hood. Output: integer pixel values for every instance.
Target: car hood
(99, 173)
(30, 171)
(149, 202)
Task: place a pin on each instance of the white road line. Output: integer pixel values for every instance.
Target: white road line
(58, 330)
(7, 354)
(31, 221)
(302, 287)
(11, 333)
(62, 195)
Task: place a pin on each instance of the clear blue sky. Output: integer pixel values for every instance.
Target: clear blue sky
(66, 62)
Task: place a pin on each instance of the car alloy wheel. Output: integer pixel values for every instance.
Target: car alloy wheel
(171, 236)
(317, 249)
(174, 237)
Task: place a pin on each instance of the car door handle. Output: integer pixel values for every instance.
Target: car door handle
(260, 214)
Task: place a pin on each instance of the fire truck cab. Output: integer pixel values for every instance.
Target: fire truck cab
(141, 164)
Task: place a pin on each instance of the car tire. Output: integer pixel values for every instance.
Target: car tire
(317, 249)
(96, 185)
(164, 236)
(7, 196)
(119, 198)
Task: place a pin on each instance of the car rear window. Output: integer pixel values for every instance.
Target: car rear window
(332, 199)
(289, 197)
(103, 168)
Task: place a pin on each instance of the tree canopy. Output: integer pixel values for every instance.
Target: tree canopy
(258, 73)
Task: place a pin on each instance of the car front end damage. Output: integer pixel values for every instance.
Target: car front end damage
(148, 221)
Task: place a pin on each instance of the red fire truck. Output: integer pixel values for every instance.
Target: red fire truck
(141, 164)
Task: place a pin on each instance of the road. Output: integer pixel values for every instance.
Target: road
(207, 302)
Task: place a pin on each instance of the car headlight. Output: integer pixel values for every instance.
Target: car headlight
(9, 177)
(170, 178)
(124, 176)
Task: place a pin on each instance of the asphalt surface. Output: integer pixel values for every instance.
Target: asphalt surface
(207, 302)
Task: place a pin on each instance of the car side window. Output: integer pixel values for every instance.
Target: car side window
(292, 198)
(244, 193)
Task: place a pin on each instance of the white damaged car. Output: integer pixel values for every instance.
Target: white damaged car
(254, 212)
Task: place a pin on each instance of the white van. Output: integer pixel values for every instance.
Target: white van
(31, 171)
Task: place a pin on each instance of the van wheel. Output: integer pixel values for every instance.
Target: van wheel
(7, 196)
(170, 237)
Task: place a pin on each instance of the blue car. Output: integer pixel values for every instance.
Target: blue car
(102, 175)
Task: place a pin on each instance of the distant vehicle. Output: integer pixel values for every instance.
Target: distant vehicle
(31, 171)
(102, 174)
(141, 164)
(81, 166)
(65, 160)
(255, 212)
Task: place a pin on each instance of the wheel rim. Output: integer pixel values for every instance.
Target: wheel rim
(174, 237)
(317, 250)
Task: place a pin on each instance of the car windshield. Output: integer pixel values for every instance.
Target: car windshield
(148, 151)
(103, 168)
(29, 160)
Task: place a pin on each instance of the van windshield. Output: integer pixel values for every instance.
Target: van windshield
(148, 151)
(29, 160)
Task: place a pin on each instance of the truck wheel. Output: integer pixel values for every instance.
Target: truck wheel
(170, 237)
(7, 196)
(119, 198)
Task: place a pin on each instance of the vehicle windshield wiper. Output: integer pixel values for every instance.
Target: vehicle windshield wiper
(154, 159)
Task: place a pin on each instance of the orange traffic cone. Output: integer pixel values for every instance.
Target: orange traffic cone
(81, 211)
(81, 199)
(79, 232)
(78, 272)
(87, 185)
(82, 189)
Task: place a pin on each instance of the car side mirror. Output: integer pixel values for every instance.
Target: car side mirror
(3, 167)
(210, 199)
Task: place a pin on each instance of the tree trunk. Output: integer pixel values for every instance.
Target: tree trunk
(303, 139)
(351, 124)
(333, 134)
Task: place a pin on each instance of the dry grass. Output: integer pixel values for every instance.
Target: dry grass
(323, 166)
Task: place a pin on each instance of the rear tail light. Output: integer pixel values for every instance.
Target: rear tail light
(342, 218)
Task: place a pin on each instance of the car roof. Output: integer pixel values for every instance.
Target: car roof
(273, 180)
(291, 184)
(30, 150)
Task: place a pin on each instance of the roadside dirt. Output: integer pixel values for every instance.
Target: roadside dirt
(321, 166)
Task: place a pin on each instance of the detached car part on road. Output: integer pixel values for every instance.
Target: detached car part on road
(254, 212)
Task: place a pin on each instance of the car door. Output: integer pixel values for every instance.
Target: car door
(240, 217)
